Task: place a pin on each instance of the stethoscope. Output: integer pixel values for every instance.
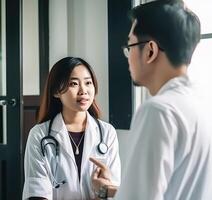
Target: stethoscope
(102, 148)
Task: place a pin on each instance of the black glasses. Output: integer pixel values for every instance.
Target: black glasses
(126, 48)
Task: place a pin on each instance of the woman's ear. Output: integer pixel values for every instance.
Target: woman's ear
(57, 95)
(152, 51)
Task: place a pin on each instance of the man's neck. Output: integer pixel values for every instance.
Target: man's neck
(163, 76)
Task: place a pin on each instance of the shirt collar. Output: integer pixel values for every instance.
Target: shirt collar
(176, 82)
(58, 125)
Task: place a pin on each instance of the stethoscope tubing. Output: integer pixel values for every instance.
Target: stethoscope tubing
(55, 143)
(101, 147)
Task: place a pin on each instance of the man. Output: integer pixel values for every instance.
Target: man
(170, 154)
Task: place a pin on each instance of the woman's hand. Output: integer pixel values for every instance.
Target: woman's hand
(101, 175)
(101, 178)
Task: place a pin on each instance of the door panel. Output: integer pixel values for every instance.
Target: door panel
(14, 125)
(31, 105)
(10, 101)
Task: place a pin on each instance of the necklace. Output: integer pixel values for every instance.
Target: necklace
(77, 146)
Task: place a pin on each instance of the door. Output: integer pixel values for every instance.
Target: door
(10, 101)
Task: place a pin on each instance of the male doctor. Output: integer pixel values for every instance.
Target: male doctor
(170, 145)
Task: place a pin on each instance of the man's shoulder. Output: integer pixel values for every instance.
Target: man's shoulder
(157, 102)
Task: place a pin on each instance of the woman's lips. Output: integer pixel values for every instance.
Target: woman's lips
(82, 101)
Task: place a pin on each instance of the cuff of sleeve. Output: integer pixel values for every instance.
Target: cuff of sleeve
(37, 187)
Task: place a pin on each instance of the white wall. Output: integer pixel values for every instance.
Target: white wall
(3, 50)
(30, 48)
(58, 31)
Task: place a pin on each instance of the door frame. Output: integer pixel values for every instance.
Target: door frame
(11, 152)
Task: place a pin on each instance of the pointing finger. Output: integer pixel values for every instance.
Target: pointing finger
(98, 163)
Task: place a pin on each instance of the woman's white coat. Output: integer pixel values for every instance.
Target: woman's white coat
(38, 176)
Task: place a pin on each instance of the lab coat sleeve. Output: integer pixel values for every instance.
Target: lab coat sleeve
(151, 157)
(37, 182)
(114, 159)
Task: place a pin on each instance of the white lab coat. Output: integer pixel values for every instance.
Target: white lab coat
(171, 148)
(38, 182)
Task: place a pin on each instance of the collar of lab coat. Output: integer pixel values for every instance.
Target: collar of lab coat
(175, 83)
(59, 131)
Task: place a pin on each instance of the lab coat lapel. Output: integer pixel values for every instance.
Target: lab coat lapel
(59, 131)
(89, 140)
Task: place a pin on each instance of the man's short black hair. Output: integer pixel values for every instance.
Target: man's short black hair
(172, 25)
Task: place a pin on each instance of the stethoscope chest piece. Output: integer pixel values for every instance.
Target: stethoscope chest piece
(102, 148)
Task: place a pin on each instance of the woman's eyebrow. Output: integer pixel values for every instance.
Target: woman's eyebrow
(75, 78)
(88, 77)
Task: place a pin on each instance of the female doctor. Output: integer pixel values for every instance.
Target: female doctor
(68, 132)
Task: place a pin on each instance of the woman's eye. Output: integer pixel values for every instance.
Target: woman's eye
(72, 84)
(89, 82)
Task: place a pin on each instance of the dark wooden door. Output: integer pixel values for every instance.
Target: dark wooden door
(10, 101)
(17, 112)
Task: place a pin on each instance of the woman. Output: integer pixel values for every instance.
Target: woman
(68, 133)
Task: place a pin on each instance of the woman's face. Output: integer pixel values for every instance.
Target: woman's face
(80, 93)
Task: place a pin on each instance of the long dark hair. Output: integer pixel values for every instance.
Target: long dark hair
(58, 82)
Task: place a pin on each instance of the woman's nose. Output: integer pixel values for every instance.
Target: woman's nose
(82, 90)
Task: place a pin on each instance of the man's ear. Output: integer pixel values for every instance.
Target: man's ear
(152, 51)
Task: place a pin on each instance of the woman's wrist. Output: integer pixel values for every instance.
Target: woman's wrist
(106, 191)
(111, 190)
(102, 193)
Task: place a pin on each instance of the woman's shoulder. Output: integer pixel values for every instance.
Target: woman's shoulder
(39, 130)
(40, 126)
(108, 128)
(106, 124)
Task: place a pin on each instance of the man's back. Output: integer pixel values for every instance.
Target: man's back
(171, 149)
(191, 175)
